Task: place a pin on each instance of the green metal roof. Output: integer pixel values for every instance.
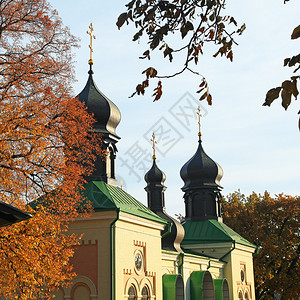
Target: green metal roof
(211, 231)
(107, 197)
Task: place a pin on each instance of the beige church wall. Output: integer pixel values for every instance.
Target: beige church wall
(195, 263)
(171, 265)
(169, 262)
(134, 235)
(91, 259)
(240, 259)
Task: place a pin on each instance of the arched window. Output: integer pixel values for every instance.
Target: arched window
(145, 293)
(246, 295)
(241, 296)
(112, 163)
(132, 295)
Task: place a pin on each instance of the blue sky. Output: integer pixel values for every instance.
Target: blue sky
(257, 147)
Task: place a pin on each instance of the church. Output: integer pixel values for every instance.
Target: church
(132, 252)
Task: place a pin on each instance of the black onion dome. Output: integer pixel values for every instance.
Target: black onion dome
(201, 171)
(106, 113)
(155, 176)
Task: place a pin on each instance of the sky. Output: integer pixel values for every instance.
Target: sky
(257, 147)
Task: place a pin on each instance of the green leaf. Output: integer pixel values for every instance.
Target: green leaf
(271, 95)
(121, 20)
(286, 98)
(296, 33)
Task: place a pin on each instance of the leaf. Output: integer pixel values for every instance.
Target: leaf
(230, 55)
(271, 95)
(203, 84)
(295, 91)
(211, 34)
(168, 52)
(200, 90)
(294, 60)
(138, 35)
(286, 98)
(296, 33)
(150, 14)
(146, 54)
(186, 28)
(286, 61)
(232, 20)
(130, 4)
(157, 91)
(121, 20)
(212, 17)
(155, 41)
(241, 29)
(150, 72)
(203, 96)
(287, 85)
(209, 99)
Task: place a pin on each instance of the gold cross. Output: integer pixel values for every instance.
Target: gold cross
(153, 145)
(90, 33)
(199, 117)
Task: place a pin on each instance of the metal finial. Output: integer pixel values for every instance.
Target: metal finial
(153, 145)
(199, 119)
(90, 33)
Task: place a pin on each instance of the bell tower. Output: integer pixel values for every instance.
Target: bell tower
(201, 176)
(107, 116)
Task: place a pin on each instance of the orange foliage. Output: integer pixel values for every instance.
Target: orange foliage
(272, 224)
(46, 144)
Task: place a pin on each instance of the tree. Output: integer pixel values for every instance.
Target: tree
(194, 24)
(272, 224)
(46, 145)
(288, 87)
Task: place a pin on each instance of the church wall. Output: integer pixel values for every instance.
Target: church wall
(174, 263)
(240, 260)
(135, 238)
(91, 259)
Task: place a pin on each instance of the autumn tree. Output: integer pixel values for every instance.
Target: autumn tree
(46, 144)
(288, 89)
(193, 24)
(272, 224)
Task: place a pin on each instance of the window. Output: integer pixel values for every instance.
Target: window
(132, 293)
(145, 293)
(240, 295)
(242, 275)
